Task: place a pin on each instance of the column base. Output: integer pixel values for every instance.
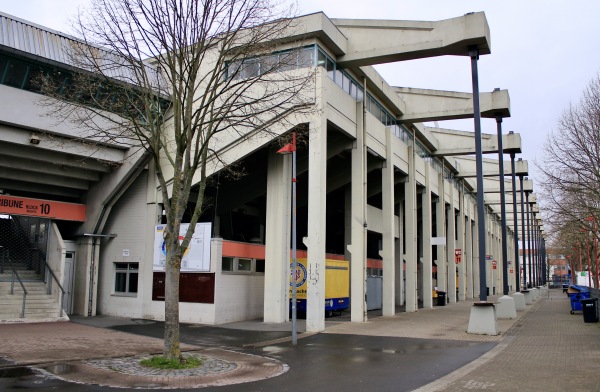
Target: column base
(535, 294)
(506, 308)
(528, 297)
(483, 319)
(519, 301)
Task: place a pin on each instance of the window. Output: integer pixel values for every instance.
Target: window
(242, 265)
(227, 264)
(126, 278)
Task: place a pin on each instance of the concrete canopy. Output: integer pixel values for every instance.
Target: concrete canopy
(433, 105)
(463, 142)
(373, 42)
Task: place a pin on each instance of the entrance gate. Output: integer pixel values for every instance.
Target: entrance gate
(23, 243)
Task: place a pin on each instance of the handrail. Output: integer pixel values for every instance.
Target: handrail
(59, 286)
(12, 284)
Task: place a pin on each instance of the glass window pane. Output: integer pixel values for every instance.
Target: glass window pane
(133, 282)
(227, 264)
(15, 74)
(338, 77)
(244, 264)
(249, 69)
(287, 61)
(345, 83)
(269, 64)
(330, 69)
(120, 282)
(321, 59)
(305, 57)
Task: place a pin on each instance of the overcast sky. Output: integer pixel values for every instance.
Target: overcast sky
(543, 51)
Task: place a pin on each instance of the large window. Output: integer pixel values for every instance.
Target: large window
(126, 278)
(274, 62)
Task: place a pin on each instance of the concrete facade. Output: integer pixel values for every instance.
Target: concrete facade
(375, 187)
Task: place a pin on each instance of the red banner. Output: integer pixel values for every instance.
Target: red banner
(42, 208)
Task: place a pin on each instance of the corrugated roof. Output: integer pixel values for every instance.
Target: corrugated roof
(27, 37)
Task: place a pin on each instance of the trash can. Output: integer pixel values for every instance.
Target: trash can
(576, 294)
(590, 309)
(441, 298)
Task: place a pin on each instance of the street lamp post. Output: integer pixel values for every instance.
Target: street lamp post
(474, 54)
(529, 281)
(515, 223)
(287, 149)
(502, 203)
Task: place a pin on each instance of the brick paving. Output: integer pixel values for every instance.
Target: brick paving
(547, 349)
(66, 349)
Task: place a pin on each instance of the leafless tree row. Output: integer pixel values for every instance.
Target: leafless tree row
(571, 180)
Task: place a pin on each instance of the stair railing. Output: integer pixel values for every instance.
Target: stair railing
(59, 286)
(15, 274)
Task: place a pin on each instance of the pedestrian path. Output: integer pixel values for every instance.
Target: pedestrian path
(548, 349)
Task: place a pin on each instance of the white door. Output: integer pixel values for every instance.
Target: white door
(68, 282)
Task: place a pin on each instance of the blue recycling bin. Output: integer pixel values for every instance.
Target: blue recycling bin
(576, 294)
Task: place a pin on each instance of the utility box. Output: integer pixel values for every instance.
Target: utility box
(374, 292)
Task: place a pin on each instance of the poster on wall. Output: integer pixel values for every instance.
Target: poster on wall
(197, 256)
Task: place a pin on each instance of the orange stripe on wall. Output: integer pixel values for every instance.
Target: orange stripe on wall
(256, 251)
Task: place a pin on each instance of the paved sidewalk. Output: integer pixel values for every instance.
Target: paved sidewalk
(548, 349)
(65, 348)
(544, 348)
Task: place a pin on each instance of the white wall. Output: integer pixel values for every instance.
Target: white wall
(127, 219)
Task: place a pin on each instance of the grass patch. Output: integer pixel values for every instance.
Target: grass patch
(160, 362)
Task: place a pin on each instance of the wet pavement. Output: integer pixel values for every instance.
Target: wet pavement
(545, 348)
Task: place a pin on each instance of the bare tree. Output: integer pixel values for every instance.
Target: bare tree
(179, 79)
(571, 171)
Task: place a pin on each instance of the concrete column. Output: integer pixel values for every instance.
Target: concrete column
(440, 222)
(358, 225)
(476, 268)
(315, 242)
(387, 252)
(400, 286)
(460, 244)
(277, 240)
(427, 257)
(451, 245)
(499, 267)
(410, 202)
(468, 255)
(489, 282)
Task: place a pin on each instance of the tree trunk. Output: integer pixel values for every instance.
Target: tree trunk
(171, 348)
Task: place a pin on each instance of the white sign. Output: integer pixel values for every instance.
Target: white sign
(438, 240)
(196, 257)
